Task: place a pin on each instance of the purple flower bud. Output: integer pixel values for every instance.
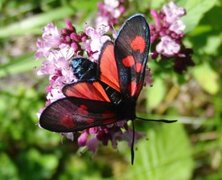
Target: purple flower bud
(162, 33)
(75, 46)
(74, 37)
(83, 36)
(69, 25)
(93, 130)
(67, 39)
(82, 140)
(64, 31)
(157, 19)
(154, 55)
(92, 144)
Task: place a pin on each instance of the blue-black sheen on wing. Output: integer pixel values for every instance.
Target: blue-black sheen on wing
(84, 69)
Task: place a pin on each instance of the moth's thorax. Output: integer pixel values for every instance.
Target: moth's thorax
(126, 109)
(83, 69)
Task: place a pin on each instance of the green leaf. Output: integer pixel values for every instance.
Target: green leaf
(29, 25)
(156, 4)
(195, 11)
(8, 169)
(33, 161)
(156, 93)
(207, 78)
(213, 44)
(167, 155)
(21, 64)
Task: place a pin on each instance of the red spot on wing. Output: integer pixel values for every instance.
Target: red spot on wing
(108, 68)
(128, 61)
(138, 88)
(132, 87)
(82, 109)
(138, 44)
(90, 121)
(138, 67)
(67, 121)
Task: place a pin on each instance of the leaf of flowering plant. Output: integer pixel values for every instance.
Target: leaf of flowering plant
(155, 94)
(21, 64)
(31, 23)
(159, 158)
(196, 10)
(204, 73)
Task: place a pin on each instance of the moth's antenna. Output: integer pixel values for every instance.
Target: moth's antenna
(132, 143)
(156, 120)
(133, 135)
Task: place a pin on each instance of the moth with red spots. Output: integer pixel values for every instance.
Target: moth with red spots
(105, 93)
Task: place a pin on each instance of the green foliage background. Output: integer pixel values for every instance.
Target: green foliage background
(190, 149)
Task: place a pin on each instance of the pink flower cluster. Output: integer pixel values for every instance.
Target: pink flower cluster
(58, 48)
(95, 42)
(73, 39)
(109, 12)
(112, 133)
(55, 65)
(167, 30)
(167, 34)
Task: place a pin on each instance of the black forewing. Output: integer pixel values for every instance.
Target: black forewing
(131, 54)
